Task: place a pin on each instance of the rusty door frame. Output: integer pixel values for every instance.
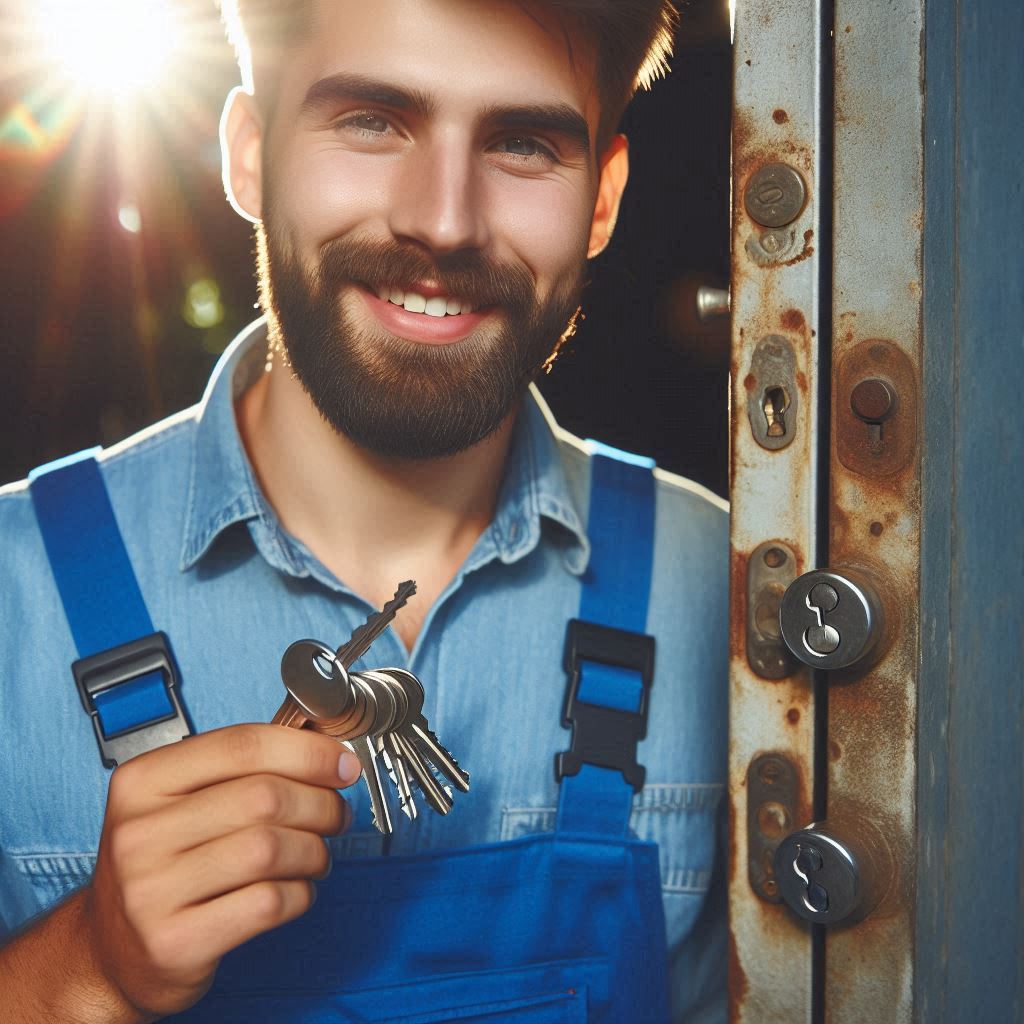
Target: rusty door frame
(774, 487)
(834, 91)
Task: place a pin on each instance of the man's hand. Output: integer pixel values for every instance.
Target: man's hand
(205, 844)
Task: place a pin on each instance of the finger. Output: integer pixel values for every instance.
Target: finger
(230, 753)
(259, 853)
(201, 934)
(229, 806)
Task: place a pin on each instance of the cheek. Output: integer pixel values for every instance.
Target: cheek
(545, 223)
(325, 194)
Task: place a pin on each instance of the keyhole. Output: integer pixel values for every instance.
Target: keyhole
(808, 861)
(775, 404)
(821, 639)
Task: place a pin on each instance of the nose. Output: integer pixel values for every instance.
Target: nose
(437, 201)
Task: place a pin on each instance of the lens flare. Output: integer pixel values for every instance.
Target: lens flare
(118, 48)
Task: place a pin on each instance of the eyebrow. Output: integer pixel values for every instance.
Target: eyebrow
(347, 86)
(559, 118)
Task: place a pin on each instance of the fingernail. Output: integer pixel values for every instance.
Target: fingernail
(349, 768)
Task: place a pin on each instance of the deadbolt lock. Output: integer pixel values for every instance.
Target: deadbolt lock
(829, 875)
(831, 619)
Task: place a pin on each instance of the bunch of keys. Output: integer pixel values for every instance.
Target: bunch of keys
(374, 714)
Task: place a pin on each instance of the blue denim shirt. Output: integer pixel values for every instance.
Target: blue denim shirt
(232, 589)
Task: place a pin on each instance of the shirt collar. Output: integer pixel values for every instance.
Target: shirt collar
(536, 487)
(223, 489)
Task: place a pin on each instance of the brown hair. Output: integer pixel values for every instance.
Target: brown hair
(632, 38)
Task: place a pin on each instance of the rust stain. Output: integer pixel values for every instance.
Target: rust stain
(739, 986)
(801, 381)
(738, 601)
(793, 320)
(779, 116)
(876, 529)
(849, 28)
(750, 382)
(800, 257)
(834, 751)
(793, 716)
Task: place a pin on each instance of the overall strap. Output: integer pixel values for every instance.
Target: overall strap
(125, 673)
(608, 656)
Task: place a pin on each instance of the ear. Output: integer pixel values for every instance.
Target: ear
(241, 147)
(614, 175)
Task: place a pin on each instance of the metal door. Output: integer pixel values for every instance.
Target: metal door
(877, 354)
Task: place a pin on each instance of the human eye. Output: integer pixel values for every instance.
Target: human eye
(367, 124)
(525, 150)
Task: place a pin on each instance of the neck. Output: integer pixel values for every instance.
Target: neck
(372, 521)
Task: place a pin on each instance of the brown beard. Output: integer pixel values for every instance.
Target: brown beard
(396, 397)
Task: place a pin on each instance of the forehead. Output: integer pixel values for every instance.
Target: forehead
(464, 54)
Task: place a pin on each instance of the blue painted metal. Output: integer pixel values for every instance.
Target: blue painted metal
(970, 898)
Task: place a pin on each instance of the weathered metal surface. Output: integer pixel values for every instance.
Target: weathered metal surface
(776, 120)
(773, 796)
(770, 570)
(875, 477)
(970, 925)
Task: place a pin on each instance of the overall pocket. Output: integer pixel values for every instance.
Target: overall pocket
(552, 993)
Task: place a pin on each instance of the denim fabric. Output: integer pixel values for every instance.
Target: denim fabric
(232, 589)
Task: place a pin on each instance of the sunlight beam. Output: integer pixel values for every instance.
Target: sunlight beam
(118, 48)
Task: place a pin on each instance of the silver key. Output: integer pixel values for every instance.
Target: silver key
(367, 747)
(364, 635)
(417, 730)
(392, 756)
(318, 685)
(438, 798)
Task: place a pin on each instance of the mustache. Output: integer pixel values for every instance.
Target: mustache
(466, 274)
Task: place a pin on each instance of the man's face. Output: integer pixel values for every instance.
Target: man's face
(427, 197)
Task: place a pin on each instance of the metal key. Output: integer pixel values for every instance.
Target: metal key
(314, 692)
(416, 729)
(419, 747)
(364, 635)
(367, 746)
(394, 761)
(437, 797)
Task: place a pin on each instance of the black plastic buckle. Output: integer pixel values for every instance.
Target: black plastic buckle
(117, 665)
(604, 736)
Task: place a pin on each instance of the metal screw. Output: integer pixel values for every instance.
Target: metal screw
(873, 400)
(775, 195)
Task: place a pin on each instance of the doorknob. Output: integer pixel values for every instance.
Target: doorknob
(831, 619)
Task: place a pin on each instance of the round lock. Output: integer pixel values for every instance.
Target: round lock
(819, 877)
(316, 679)
(829, 620)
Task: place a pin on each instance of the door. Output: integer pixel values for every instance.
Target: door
(877, 560)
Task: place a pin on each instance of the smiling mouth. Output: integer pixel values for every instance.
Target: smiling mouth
(433, 305)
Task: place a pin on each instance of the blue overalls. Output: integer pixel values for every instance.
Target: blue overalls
(561, 928)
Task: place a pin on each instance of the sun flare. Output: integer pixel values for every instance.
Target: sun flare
(118, 48)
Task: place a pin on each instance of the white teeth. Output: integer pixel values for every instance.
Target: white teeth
(437, 305)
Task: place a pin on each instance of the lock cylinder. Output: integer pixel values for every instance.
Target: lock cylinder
(832, 619)
(828, 874)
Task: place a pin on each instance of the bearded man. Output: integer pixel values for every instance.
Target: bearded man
(427, 180)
